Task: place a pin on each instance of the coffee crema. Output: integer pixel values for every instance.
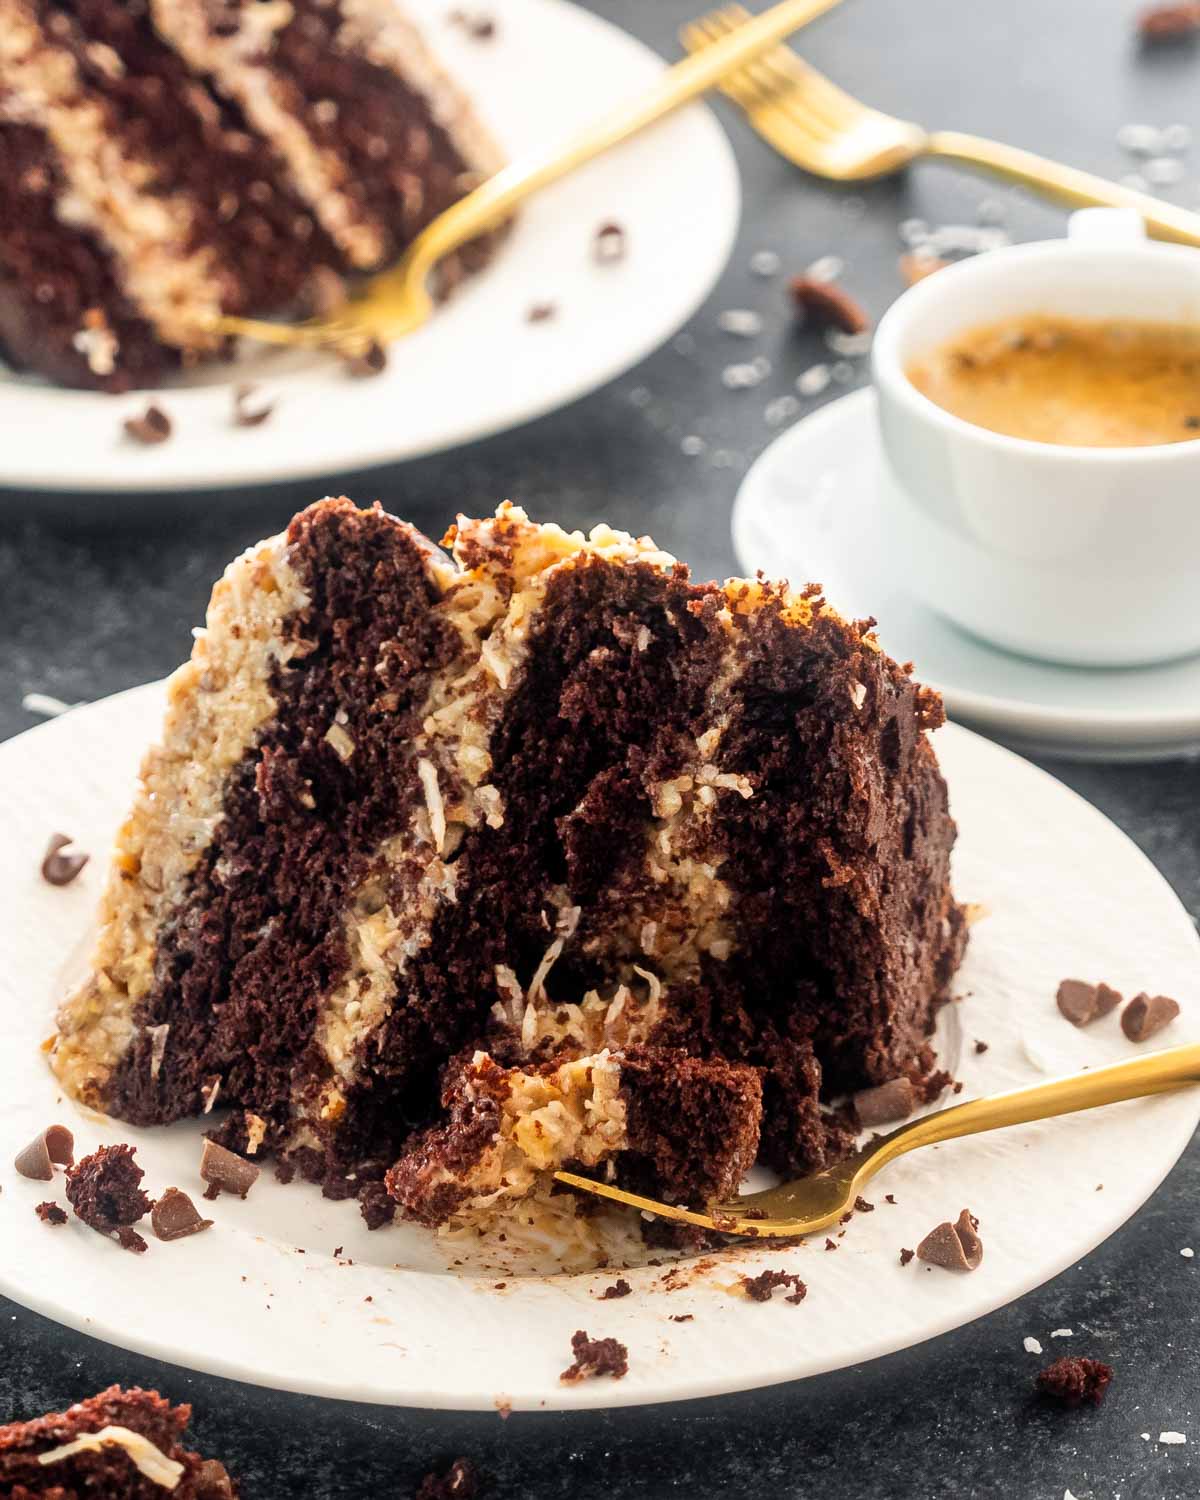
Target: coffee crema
(1116, 383)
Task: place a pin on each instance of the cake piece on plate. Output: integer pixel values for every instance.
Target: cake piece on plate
(436, 854)
(119, 1445)
(162, 164)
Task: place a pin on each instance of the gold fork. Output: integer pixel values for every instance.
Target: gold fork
(823, 129)
(815, 1202)
(397, 301)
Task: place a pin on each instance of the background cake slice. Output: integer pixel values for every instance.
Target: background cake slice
(162, 165)
(119, 1445)
(549, 801)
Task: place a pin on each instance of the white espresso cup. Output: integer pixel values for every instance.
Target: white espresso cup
(1089, 556)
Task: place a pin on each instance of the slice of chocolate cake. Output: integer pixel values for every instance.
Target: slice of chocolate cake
(162, 165)
(119, 1445)
(685, 1129)
(673, 858)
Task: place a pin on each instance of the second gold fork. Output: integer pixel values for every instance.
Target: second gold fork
(828, 132)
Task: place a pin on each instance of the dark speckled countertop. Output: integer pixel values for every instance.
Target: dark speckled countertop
(92, 600)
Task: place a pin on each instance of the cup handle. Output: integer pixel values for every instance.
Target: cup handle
(1106, 226)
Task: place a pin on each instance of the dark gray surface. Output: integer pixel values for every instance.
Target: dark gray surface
(91, 603)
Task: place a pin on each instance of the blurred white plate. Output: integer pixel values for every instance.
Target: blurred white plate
(479, 366)
(410, 1323)
(811, 509)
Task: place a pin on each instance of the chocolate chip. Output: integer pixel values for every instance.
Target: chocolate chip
(609, 244)
(827, 305)
(1083, 1003)
(541, 312)
(59, 868)
(885, 1104)
(980, 1048)
(1169, 23)
(247, 412)
(365, 363)
(174, 1216)
(1146, 1015)
(226, 1171)
(50, 1213)
(56, 1144)
(956, 1247)
(153, 426)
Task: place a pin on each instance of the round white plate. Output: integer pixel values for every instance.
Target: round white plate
(1068, 895)
(479, 366)
(811, 508)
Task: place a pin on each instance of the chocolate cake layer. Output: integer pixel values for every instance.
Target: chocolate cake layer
(119, 1445)
(552, 803)
(62, 311)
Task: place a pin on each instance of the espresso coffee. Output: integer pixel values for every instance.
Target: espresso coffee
(1091, 384)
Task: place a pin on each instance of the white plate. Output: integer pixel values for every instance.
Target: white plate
(479, 366)
(1069, 894)
(810, 508)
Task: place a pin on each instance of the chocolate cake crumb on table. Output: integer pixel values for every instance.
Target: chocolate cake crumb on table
(167, 162)
(534, 856)
(461, 1481)
(105, 1191)
(761, 1288)
(1075, 1379)
(119, 1445)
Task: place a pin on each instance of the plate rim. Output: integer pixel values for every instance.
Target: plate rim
(276, 469)
(1128, 729)
(571, 1294)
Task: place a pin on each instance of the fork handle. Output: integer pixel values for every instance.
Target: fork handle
(495, 199)
(1154, 1073)
(1164, 221)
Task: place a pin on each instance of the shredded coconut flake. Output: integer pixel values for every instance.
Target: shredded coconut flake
(537, 985)
(1032, 1346)
(147, 1459)
(427, 771)
(158, 1046)
(1062, 1333)
(1172, 1437)
(339, 742)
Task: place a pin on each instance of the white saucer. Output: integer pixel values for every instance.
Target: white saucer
(401, 1318)
(479, 366)
(809, 509)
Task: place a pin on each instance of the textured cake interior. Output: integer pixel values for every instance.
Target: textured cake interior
(118, 1445)
(447, 873)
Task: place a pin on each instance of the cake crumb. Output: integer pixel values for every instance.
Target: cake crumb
(761, 1288)
(461, 1481)
(595, 1357)
(683, 1317)
(619, 1288)
(906, 1256)
(830, 1244)
(862, 1206)
(1074, 1379)
(50, 1213)
(541, 312)
(609, 244)
(980, 1048)
(365, 364)
(105, 1191)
